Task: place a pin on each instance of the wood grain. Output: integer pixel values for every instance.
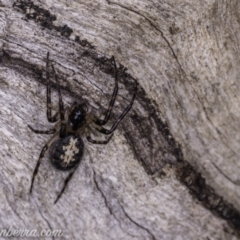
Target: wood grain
(179, 142)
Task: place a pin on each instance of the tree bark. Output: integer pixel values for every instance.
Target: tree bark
(171, 170)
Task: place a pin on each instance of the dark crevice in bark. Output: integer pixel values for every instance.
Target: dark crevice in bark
(46, 19)
(206, 195)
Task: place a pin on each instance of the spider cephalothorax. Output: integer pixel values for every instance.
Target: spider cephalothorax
(66, 145)
(77, 117)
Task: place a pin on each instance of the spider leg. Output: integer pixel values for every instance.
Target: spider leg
(114, 126)
(65, 184)
(61, 108)
(50, 131)
(44, 149)
(55, 117)
(96, 141)
(114, 95)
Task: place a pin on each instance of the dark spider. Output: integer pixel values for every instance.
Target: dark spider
(66, 143)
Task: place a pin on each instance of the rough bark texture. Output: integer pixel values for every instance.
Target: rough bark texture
(172, 169)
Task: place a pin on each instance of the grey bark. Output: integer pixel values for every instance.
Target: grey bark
(172, 169)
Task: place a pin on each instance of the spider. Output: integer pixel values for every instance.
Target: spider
(71, 123)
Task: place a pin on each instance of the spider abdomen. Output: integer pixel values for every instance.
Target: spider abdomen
(66, 153)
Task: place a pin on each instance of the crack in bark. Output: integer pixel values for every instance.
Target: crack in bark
(123, 210)
(102, 194)
(49, 225)
(13, 209)
(237, 182)
(106, 202)
(155, 27)
(137, 224)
